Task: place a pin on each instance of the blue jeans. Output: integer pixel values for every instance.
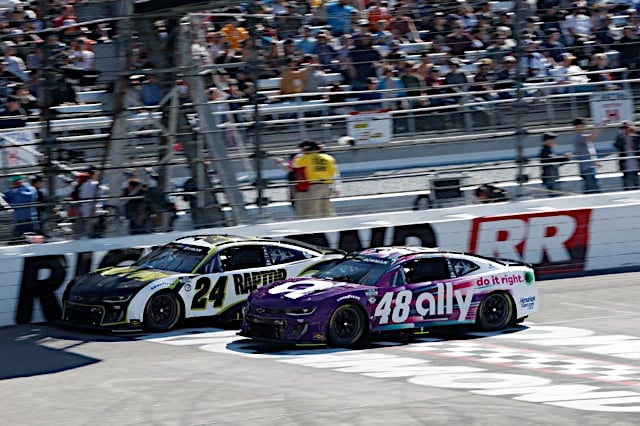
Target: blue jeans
(590, 183)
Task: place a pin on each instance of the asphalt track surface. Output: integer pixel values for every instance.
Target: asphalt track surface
(575, 362)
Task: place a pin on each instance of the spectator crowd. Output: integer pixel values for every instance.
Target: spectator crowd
(387, 54)
(435, 51)
(36, 37)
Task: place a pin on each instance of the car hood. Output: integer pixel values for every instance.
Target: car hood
(118, 279)
(307, 290)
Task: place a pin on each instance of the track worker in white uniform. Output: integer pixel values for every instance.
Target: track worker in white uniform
(320, 170)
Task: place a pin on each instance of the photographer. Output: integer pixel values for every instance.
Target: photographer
(488, 193)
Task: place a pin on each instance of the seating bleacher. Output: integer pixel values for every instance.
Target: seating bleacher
(269, 83)
(412, 48)
(333, 77)
(91, 96)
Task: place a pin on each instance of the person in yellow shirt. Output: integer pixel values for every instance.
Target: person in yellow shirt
(322, 174)
(235, 33)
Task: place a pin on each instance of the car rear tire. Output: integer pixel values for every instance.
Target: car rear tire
(346, 325)
(495, 312)
(162, 312)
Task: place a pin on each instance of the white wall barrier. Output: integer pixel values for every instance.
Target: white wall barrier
(557, 235)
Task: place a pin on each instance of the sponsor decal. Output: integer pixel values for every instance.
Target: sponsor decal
(554, 242)
(347, 297)
(500, 279)
(397, 306)
(246, 282)
(528, 302)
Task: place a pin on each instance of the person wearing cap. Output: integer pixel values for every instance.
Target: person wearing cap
(551, 47)
(550, 162)
(569, 73)
(15, 64)
(324, 51)
(322, 175)
(506, 76)
(533, 61)
(22, 197)
(627, 143)
(13, 115)
(295, 175)
(585, 153)
(483, 80)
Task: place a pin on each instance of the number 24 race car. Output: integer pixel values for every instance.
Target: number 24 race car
(191, 277)
(392, 289)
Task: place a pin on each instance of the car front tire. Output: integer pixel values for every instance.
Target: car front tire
(162, 312)
(347, 325)
(495, 312)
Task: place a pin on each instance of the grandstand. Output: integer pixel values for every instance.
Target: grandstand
(514, 77)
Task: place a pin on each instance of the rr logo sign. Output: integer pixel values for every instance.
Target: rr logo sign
(552, 241)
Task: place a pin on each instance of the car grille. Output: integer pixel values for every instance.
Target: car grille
(83, 314)
(266, 329)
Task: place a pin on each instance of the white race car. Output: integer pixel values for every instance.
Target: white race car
(191, 277)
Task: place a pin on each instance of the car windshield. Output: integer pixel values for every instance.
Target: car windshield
(355, 270)
(173, 257)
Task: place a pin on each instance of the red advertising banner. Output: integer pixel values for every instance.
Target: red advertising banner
(554, 242)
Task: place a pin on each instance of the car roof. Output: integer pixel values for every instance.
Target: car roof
(212, 241)
(396, 252)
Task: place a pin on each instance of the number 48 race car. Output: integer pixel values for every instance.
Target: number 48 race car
(392, 289)
(191, 277)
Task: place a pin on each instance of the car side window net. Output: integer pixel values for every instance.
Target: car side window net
(423, 270)
(244, 257)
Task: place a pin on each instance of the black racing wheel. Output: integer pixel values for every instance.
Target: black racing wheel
(347, 325)
(162, 312)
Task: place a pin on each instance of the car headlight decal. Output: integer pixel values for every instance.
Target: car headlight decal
(117, 299)
(307, 310)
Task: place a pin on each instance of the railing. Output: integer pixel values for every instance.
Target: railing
(399, 191)
(547, 109)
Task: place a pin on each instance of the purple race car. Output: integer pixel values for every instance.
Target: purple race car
(392, 289)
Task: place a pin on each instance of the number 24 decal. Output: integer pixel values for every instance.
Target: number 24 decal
(202, 296)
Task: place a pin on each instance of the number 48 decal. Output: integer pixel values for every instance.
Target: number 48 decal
(202, 295)
(443, 301)
(401, 310)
